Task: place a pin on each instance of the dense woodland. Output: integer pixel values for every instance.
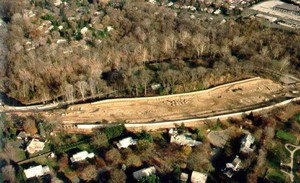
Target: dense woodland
(82, 49)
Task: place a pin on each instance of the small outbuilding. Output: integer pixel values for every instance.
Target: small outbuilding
(184, 177)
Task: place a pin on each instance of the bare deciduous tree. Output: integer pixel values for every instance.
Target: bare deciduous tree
(8, 173)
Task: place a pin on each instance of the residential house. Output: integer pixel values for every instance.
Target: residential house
(232, 167)
(36, 171)
(144, 172)
(126, 142)
(182, 139)
(35, 145)
(219, 138)
(247, 144)
(80, 156)
(198, 177)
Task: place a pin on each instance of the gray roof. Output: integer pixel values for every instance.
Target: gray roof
(288, 7)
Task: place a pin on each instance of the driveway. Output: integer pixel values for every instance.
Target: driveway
(292, 149)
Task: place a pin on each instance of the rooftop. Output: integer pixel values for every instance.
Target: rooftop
(235, 165)
(36, 171)
(22, 135)
(198, 177)
(182, 139)
(184, 177)
(34, 146)
(219, 138)
(126, 142)
(288, 7)
(247, 143)
(144, 172)
(80, 156)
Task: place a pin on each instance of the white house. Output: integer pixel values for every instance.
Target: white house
(144, 172)
(34, 146)
(126, 142)
(247, 144)
(182, 139)
(36, 171)
(198, 177)
(232, 167)
(80, 156)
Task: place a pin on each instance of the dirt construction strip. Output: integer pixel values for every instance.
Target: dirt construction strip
(192, 122)
(241, 95)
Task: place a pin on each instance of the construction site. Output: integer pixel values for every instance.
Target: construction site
(224, 99)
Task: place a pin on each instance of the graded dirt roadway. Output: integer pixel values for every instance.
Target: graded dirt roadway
(222, 99)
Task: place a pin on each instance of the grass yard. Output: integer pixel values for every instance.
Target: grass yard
(297, 166)
(286, 136)
(276, 175)
(298, 117)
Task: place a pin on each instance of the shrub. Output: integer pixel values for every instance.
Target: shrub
(30, 126)
(181, 128)
(144, 136)
(133, 160)
(113, 156)
(150, 179)
(143, 145)
(186, 150)
(89, 173)
(114, 131)
(117, 176)
(298, 117)
(100, 139)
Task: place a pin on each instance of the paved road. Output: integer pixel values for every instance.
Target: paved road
(291, 163)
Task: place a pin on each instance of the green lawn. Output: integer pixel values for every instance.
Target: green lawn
(298, 117)
(297, 166)
(286, 136)
(276, 154)
(276, 175)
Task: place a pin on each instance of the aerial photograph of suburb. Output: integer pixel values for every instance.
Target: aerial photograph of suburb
(149, 91)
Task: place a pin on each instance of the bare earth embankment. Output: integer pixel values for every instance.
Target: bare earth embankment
(222, 99)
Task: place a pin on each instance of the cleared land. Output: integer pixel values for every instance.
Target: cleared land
(227, 98)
